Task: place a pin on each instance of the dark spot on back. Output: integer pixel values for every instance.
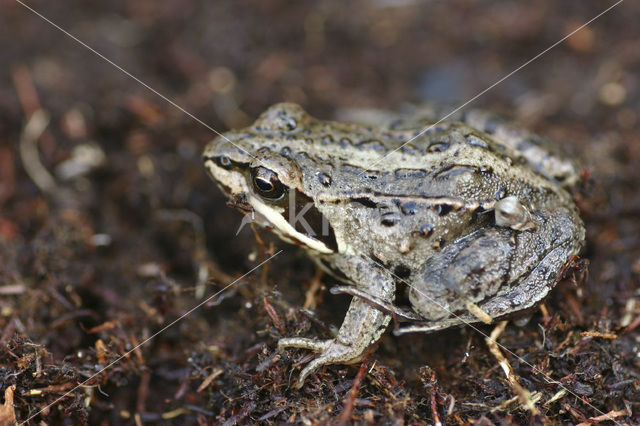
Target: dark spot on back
(324, 179)
(476, 141)
(409, 149)
(438, 147)
(389, 219)
(409, 208)
(426, 230)
(453, 170)
(349, 168)
(286, 151)
(371, 145)
(326, 140)
(302, 156)
(345, 142)
(409, 173)
(367, 202)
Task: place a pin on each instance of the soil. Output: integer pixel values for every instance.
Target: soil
(111, 232)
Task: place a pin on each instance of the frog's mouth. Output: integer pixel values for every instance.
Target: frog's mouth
(275, 218)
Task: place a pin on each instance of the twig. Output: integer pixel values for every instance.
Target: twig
(611, 336)
(210, 378)
(523, 394)
(29, 151)
(609, 416)
(635, 323)
(345, 416)
(26, 90)
(12, 289)
(275, 318)
(434, 405)
(310, 296)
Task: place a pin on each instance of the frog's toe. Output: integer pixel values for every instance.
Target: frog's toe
(323, 359)
(303, 343)
(331, 352)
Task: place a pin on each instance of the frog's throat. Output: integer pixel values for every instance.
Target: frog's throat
(285, 228)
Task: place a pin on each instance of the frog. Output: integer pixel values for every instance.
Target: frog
(431, 223)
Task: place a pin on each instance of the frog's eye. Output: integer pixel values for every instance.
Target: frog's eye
(267, 184)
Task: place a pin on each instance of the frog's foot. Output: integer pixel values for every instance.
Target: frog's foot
(331, 352)
(362, 327)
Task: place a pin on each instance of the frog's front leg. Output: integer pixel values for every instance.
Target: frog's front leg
(363, 324)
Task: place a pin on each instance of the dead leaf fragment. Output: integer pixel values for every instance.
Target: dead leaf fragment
(7, 413)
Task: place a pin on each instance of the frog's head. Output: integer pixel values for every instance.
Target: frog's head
(255, 169)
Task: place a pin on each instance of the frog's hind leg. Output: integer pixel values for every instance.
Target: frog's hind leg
(362, 327)
(363, 324)
(497, 270)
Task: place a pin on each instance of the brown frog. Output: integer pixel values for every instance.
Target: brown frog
(473, 215)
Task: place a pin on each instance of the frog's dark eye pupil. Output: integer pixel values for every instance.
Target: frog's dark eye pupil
(263, 185)
(267, 184)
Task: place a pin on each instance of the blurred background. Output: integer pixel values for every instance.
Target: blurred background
(109, 225)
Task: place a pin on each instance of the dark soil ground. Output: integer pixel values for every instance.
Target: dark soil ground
(110, 229)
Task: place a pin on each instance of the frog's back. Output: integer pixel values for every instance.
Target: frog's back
(454, 161)
(413, 197)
